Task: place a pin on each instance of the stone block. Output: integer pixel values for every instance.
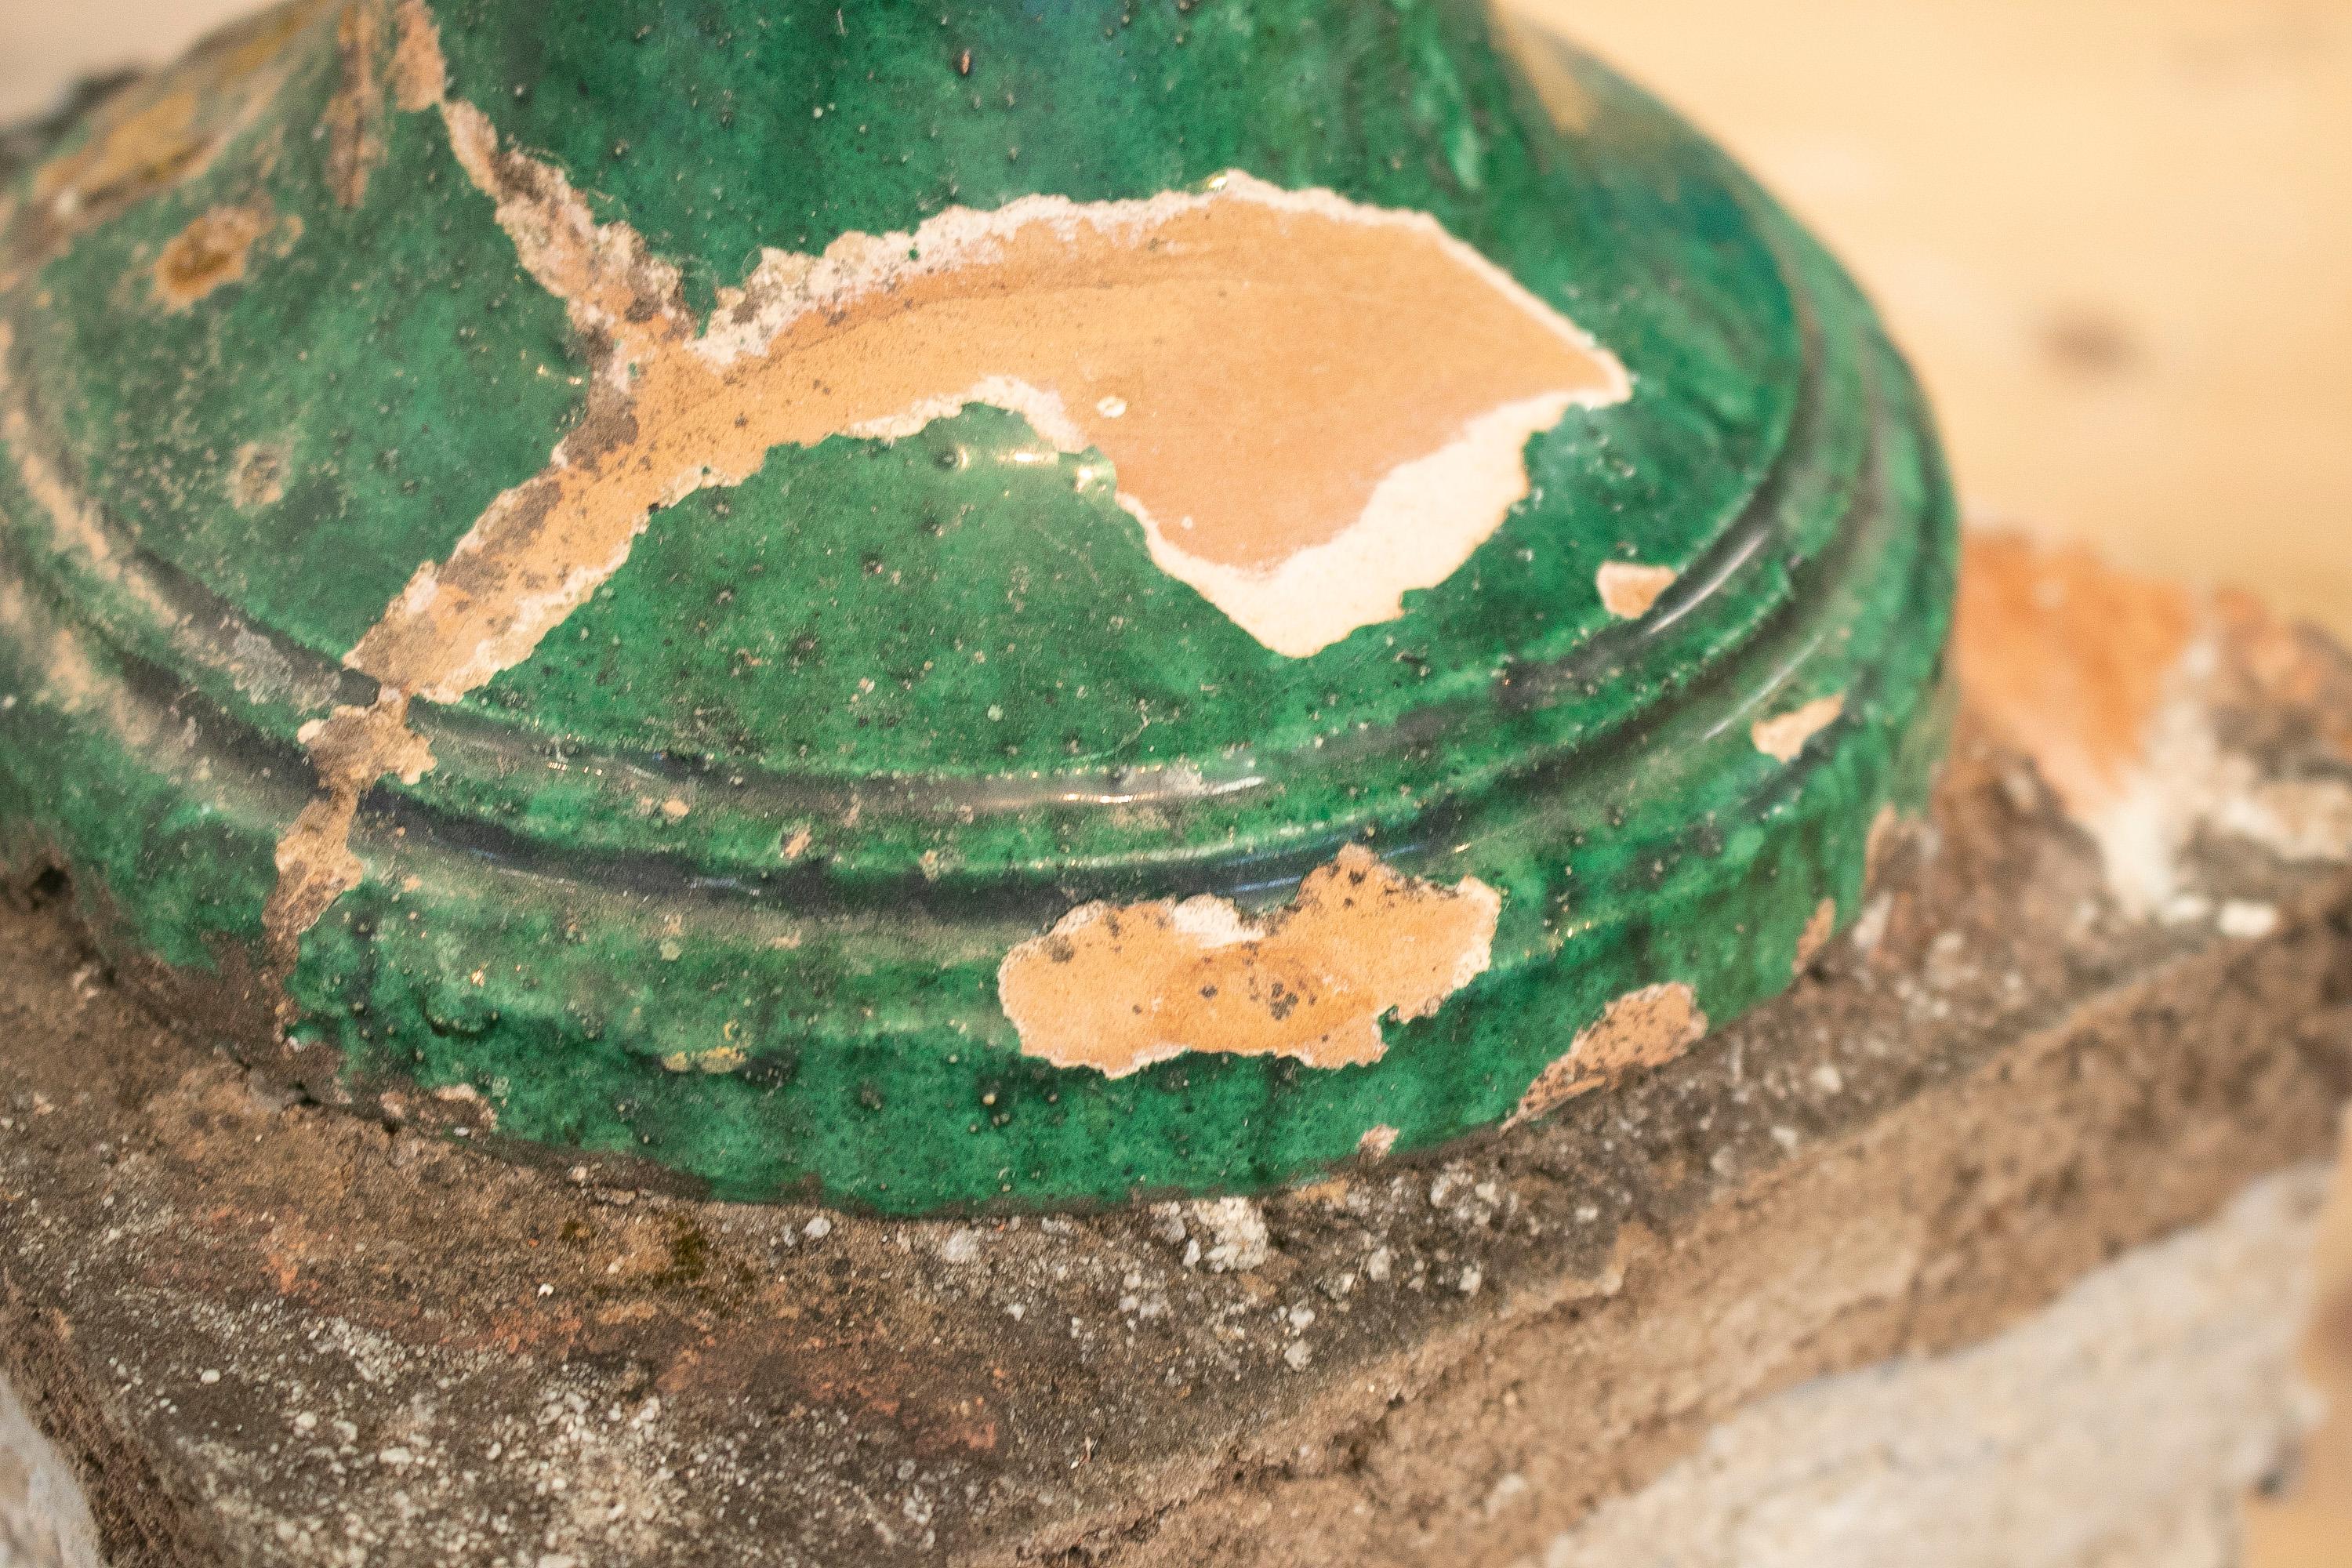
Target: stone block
(1933, 1234)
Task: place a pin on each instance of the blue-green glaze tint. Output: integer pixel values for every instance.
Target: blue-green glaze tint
(874, 816)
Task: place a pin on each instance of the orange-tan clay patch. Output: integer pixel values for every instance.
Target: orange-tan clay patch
(2108, 683)
(2070, 658)
(354, 119)
(1314, 451)
(2088, 671)
(207, 254)
(257, 475)
(1640, 1029)
(1119, 987)
(419, 75)
(351, 749)
(1627, 591)
(1783, 737)
(1819, 929)
(1343, 422)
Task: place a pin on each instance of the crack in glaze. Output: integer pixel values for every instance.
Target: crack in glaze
(351, 749)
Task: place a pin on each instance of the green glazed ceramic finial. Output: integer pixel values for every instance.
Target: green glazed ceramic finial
(998, 603)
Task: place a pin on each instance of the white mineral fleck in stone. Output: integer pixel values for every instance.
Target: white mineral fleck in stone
(2247, 920)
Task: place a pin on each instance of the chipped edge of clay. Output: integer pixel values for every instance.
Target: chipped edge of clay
(1212, 924)
(1629, 590)
(1630, 1033)
(1782, 737)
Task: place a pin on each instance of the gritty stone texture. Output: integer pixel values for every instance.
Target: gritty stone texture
(264, 1332)
(2120, 1426)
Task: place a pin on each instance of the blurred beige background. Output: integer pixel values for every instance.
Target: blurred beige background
(2113, 234)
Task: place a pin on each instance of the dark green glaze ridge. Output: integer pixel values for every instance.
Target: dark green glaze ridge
(531, 930)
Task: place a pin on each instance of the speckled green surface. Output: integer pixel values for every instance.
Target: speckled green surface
(957, 688)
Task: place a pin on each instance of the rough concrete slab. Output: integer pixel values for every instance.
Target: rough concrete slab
(2119, 1427)
(264, 1331)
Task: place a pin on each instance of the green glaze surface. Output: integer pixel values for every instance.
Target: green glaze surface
(720, 878)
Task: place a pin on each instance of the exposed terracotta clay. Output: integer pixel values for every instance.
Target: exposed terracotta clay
(1640, 1029)
(1117, 989)
(1329, 453)
(2070, 659)
(351, 749)
(419, 76)
(1627, 590)
(2106, 681)
(1333, 453)
(1377, 1142)
(256, 476)
(354, 120)
(1782, 737)
(1816, 935)
(2100, 676)
(207, 254)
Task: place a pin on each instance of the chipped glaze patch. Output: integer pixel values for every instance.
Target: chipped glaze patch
(2106, 680)
(1818, 928)
(257, 475)
(354, 119)
(716, 1059)
(2092, 673)
(155, 134)
(1627, 590)
(1781, 738)
(1322, 453)
(208, 254)
(1377, 1142)
(1331, 452)
(419, 75)
(350, 749)
(1119, 987)
(1641, 1029)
